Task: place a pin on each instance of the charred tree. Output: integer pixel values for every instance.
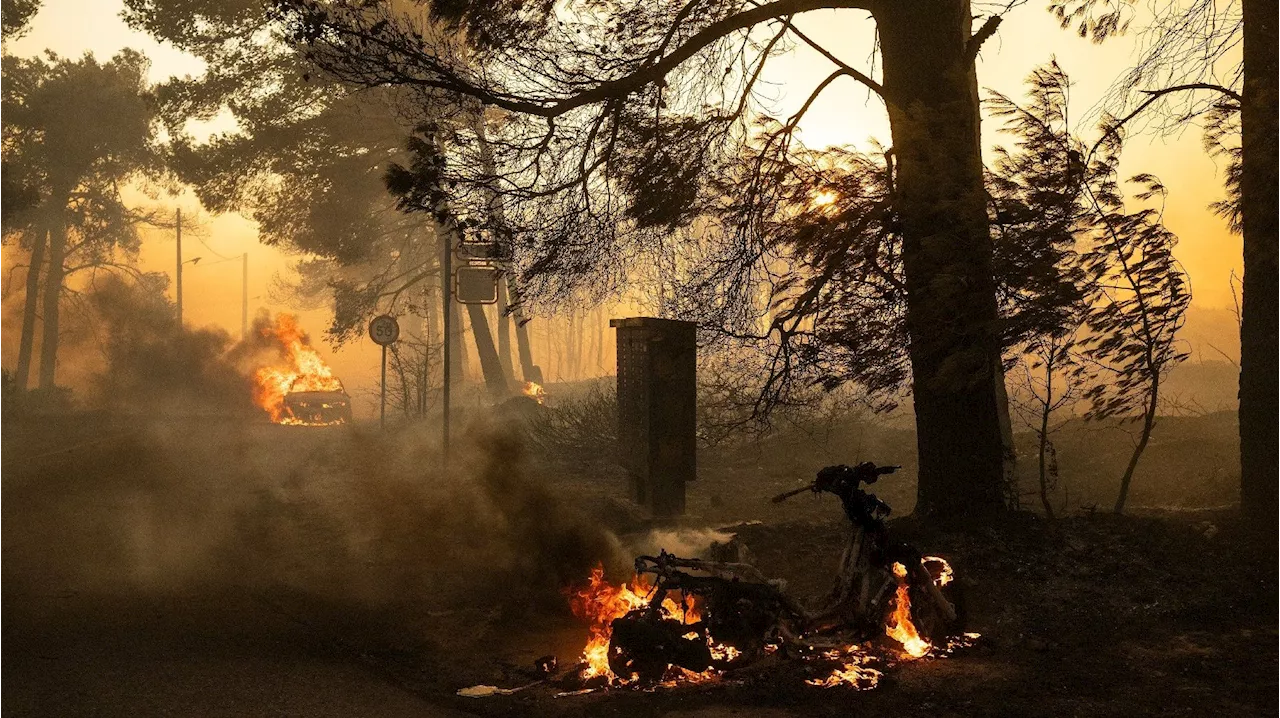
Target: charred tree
(527, 370)
(504, 329)
(29, 306)
(52, 295)
(490, 366)
(941, 207)
(498, 236)
(1259, 364)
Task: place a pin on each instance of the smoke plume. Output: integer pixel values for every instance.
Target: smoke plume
(156, 365)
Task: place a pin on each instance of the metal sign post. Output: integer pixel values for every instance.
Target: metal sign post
(384, 330)
(446, 291)
(474, 282)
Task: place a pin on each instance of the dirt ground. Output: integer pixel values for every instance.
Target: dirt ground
(210, 570)
(1089, 616)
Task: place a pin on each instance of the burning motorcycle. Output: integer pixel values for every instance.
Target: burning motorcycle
(882, 588)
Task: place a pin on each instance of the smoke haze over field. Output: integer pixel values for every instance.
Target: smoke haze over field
(342, 517)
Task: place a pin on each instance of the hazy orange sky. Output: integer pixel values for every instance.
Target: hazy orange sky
(843, 115)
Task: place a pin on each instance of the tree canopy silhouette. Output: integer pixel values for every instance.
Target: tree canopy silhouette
(622, 122)
(75, 131)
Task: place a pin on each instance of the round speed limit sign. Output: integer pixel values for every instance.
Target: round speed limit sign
(384, 330)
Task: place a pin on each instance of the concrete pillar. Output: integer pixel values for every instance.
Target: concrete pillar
(657, 403)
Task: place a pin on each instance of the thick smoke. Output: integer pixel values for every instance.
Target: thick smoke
(550, 546)
(154, 364)
(375, 519)
(331, 515)
(192, 494)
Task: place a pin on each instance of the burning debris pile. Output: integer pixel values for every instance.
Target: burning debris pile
(666, 632)
(534, 391)
(602, 604)
(611, 609)
(688, 621)
(302, 389)
(900, 627)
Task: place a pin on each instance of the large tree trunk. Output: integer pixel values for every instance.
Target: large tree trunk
(504, 329)
(1008, 449)
(932, 95)
(30, 302)
(497, 214)
(490, 367)
(458, 358)
(1258, 335)
(52, 294)
(528, 370)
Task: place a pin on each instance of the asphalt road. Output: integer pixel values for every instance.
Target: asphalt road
(110, 605)
(94, 656)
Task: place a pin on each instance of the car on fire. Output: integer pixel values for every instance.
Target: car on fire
(318, 407)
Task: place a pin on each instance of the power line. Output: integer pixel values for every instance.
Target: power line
(215, 253)
(236, 258)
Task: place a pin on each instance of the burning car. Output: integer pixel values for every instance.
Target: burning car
(317, 407)
(299, 387)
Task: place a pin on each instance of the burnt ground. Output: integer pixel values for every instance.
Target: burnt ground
(1085, 616)
(201, 569)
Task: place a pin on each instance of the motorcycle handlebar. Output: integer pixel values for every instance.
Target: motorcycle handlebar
(661, 562)
(872, 469)
(788, 494)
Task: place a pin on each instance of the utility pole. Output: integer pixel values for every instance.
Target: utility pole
(446, 291)
(244, 297)
(179, 277)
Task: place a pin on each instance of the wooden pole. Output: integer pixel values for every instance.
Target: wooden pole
(179, 273)
(244, 296)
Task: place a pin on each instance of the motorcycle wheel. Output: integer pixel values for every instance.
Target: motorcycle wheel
(930, 619)
(644, 648)
(627, 664)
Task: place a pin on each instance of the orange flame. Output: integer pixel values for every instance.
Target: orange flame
(534, 391)
(854, 670)
(945, 574)
(600, 602)
(303, 370)
(900, 627)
